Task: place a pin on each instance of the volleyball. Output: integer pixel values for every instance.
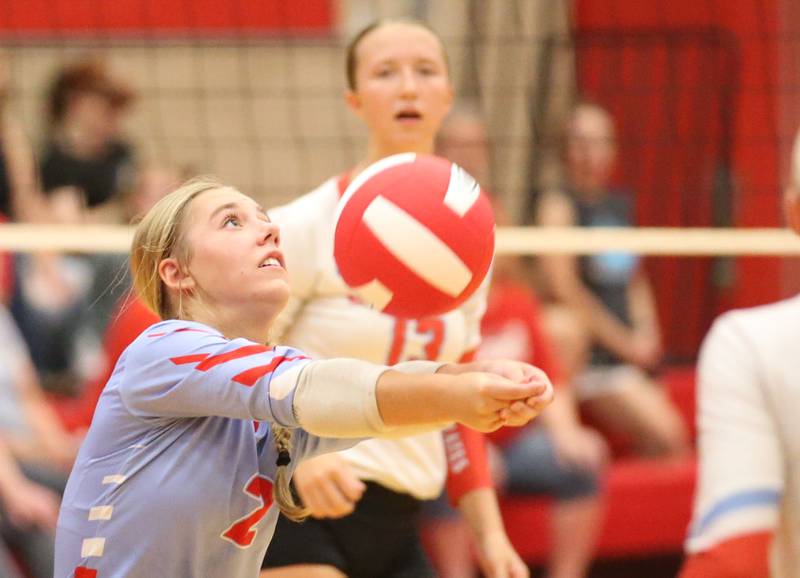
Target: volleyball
(414, 235)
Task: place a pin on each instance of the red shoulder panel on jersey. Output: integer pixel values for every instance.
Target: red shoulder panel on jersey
(245, 351)
(250, 376)
(84, 572)
(740, 557)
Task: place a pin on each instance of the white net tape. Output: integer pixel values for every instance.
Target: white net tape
(510, 240)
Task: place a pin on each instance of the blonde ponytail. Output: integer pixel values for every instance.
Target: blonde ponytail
(281, 490)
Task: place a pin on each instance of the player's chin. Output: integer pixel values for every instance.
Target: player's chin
(275, 291)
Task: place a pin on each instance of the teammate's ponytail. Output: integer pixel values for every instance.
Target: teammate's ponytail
(281, 490)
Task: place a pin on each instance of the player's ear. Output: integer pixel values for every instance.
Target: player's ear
(353, 101)
(174, 276)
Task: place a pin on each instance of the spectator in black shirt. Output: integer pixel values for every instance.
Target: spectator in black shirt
(85, 149)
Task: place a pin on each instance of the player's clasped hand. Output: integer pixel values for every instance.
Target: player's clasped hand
(508, 393)
(328, 486)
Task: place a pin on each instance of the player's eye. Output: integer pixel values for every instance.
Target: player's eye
(384, 72)
(231, 220)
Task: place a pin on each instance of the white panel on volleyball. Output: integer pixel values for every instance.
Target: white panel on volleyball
(427, 256)
(370, 172)
(375, 293)
(462, 191)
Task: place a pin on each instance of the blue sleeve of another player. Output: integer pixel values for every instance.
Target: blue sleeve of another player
(183, 369)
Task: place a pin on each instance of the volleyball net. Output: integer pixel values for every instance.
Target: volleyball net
(705, 100)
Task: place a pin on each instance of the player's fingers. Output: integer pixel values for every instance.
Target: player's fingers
(316, 497)
(518, 414)
(349, 485)
(503, 389)
(336, 503)
(518, 570)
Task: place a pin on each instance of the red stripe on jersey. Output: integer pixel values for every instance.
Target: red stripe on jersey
(183, 359)
(245, 351)
(180, 330)
(84, 572)
(250, 376)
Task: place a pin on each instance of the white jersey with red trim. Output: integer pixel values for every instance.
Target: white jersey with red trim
(749, 444)
(174, 478)
(325, 320)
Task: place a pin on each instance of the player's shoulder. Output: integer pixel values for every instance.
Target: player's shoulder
(767, 332)
(169, 333)
(317, 204)
(780, 316)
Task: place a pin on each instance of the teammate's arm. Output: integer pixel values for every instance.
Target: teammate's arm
(741, 463)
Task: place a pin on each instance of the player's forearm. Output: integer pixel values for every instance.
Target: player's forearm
(482, 512)
(10, 474)
(408, 400)
(351, 398)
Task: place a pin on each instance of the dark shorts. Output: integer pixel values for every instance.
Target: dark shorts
(378, 540)
(532, 468)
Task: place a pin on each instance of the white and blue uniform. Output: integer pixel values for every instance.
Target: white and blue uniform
(174, 477)
(749, 433)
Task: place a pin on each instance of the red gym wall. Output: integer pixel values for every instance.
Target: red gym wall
(727, 56)
(31, 18)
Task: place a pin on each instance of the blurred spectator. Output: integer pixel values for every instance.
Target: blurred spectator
(85, 149)
(126, 315)
(610, 294)
(555, 457)
(51, 301)
(64, 302)
(19, 195)
(36, 455)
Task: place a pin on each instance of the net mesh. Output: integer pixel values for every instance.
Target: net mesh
(704, 95)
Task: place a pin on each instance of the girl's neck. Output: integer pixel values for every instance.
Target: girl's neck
(234, 325)
(377, 151)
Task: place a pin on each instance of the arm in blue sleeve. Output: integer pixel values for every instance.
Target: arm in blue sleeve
(180, 369)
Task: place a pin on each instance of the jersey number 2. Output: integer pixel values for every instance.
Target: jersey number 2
(241, 532)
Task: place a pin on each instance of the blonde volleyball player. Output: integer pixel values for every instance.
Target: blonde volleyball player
(173, 478)
(364, 501)
(747, 507)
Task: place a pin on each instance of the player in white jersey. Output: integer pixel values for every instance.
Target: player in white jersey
(200, 425)
(399, 87)
(747, 507)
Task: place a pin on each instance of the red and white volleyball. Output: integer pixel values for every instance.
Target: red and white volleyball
(414, 235)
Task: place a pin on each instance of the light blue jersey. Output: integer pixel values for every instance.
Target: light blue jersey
(174, 478)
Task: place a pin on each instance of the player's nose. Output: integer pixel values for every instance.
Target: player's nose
(270, 233)
(408, 82)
